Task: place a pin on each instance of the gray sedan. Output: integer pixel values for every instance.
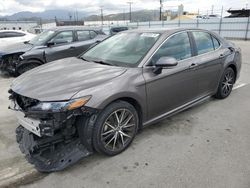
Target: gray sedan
(97, 102)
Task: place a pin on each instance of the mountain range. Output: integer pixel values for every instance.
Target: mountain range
(142, 15)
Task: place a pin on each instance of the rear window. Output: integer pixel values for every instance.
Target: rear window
(92, 34)
(203, 42)
(83, 35)
(11, 34)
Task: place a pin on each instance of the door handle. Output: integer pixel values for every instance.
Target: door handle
(193, 65)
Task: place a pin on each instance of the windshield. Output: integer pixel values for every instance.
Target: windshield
(41, 38)
(124, 49)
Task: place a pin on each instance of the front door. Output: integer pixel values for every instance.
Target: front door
(63, 46)
(175, 86)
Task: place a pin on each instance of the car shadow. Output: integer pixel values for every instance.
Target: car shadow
(5, 75)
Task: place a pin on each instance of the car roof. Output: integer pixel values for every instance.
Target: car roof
(164, 30)
(65, 28)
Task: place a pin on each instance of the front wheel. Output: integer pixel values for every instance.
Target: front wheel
(226, 84)
(115, 128)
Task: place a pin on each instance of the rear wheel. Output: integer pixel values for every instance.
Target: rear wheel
(115, 128)
(226, 84)
(26, 67)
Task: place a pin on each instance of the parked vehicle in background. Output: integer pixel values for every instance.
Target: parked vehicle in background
(210, 16)
(97, 102)
(8, 37)
(115, 30)
(53, 44)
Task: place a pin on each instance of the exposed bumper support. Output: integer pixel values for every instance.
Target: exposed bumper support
(59, 158)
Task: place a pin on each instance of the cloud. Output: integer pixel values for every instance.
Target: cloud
(113, 6)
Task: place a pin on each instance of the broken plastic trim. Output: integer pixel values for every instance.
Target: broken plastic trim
(66, 137)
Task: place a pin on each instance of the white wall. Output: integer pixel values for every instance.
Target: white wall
(227, 27)
(17, 24)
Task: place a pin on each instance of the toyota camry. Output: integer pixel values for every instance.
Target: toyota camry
(97, 102)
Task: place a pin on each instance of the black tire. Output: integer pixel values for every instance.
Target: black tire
(123, 132)
(226, 84)
(26, 67)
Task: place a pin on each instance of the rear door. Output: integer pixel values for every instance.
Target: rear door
(85, 38)
(63, 46)
(208, 60)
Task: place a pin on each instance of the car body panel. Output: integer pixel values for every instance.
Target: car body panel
(170, 89)
(172, 82)
(60, 87)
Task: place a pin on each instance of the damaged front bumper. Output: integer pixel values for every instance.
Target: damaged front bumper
(54, 140)
(8, 63)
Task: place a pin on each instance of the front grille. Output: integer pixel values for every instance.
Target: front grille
(25, 102)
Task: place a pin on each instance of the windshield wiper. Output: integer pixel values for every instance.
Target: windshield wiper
(84, 59)
(96, 61)
(27, 42)
(103, 63)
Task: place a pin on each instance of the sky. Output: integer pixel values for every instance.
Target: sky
(8, 7)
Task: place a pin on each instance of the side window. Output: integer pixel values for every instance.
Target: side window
(83, 35)
(216, 43)
(63, 37)
(2, 34)
(13, 34)
(177, 46)
(203, 42)
(92, 34)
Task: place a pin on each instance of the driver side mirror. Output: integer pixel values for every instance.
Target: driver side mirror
(164, 62)
(56, 41)
(49, 44)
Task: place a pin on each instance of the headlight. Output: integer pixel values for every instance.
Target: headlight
(61, 106)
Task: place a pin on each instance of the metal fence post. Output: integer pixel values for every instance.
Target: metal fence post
(247, 29)
(220, 19)
(179, 21)
(197, 23)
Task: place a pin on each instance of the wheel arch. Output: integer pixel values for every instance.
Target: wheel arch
(134, 102)
(31, 60)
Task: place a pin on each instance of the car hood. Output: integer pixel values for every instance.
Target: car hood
(62, 79)
(15, 48)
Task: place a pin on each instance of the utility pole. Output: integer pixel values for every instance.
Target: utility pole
(102, 14)
(124, 15)
(160, 10)
(130, 13)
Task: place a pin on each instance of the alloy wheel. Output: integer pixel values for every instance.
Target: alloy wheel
(227, 83)
(118, 130)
